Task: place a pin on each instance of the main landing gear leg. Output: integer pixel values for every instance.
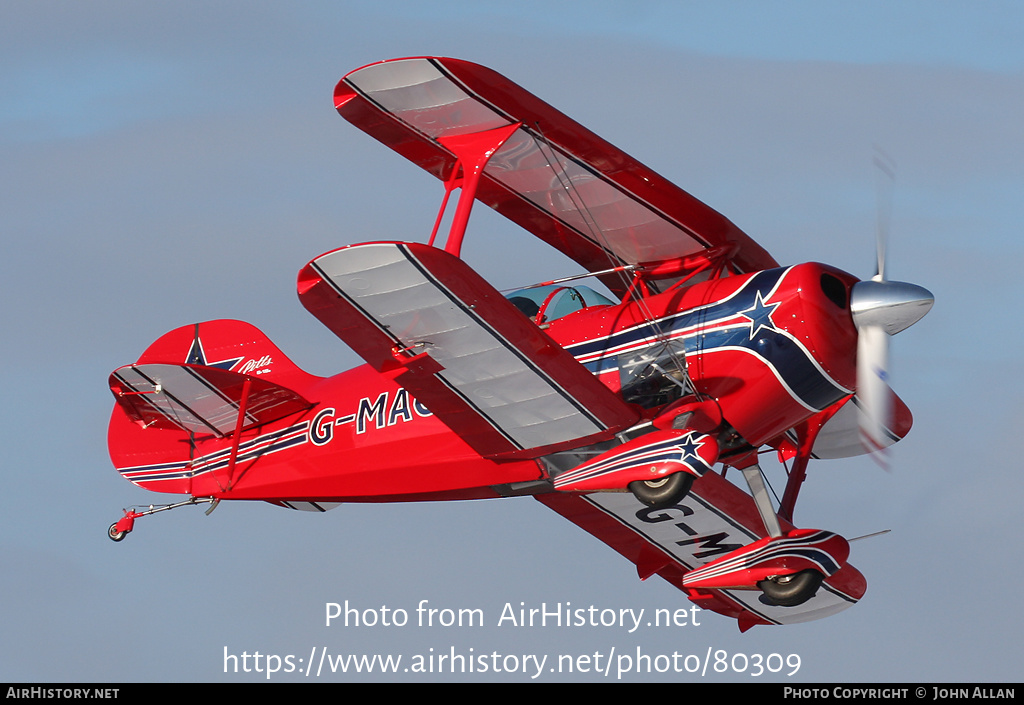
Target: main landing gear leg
(785, 590)
(123, 526)
(752, 474)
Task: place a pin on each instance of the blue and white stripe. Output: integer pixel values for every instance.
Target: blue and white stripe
(673, 451)
(267, 444)
(722, 326)
(803, 547)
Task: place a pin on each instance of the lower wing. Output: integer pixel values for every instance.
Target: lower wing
(714, 519)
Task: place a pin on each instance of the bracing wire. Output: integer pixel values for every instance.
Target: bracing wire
(597, 235)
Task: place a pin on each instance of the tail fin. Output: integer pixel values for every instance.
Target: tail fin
(191, 397)
(227, 345)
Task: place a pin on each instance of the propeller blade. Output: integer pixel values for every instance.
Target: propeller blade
(887, 177)
(880, 309)
(873, 394)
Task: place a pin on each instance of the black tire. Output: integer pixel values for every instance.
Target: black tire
(791, 590)
(664, 492)
(114, 534)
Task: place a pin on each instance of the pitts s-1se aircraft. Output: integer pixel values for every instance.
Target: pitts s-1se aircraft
(614, 414)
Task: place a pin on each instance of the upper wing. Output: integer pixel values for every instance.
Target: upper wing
(460, 347)
(715, 518)
(553, 177)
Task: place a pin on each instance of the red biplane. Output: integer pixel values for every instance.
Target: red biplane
(622, 412)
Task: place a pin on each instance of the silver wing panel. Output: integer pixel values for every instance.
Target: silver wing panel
(388, 285)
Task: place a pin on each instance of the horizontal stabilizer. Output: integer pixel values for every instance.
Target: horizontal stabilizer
(460, 347)
(200, 399)
(183, 407)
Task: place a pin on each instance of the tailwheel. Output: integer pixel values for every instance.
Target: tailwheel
(791, 590)
(114, 534)
(123, 526)
(663, 492)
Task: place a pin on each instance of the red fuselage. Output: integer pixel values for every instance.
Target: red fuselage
(771, 348)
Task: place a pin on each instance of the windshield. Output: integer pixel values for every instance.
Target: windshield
(556, 301)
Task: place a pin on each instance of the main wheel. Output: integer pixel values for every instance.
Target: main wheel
(791, 590)
(663, 492)
(114, 534)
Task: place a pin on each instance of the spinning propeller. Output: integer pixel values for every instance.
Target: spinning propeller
(881, 308)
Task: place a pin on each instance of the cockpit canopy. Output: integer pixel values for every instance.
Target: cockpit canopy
(544, 304)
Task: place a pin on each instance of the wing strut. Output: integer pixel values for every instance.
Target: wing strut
(242, 404)
(472, 151)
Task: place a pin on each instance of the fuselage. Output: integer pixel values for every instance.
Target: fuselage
(771, 348)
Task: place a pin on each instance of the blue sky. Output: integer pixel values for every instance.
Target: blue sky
(169, 164)
(979, 35)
